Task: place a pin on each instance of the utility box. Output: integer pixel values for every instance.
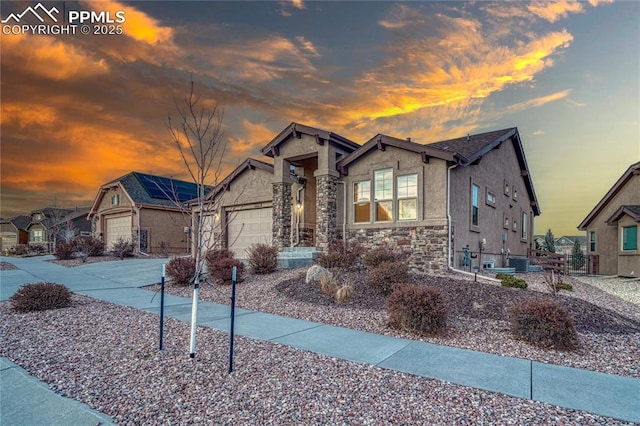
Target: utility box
(521, 264)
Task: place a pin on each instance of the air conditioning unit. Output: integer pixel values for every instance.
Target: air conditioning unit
(488, 264)
(521, 264)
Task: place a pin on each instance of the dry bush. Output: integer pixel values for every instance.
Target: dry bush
(384, 277)
(122, 248)
(65, 251)
(21, 250)
(344, 293)
(40, 297)
(181, 270)
(328, 284)
(341, 255)
(90, 246)
(376, 256)
(417, 308)
(544, 323)
(263, 258)
(222, 270)
(214, 256)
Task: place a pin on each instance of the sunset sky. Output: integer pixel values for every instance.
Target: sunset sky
(80, 110)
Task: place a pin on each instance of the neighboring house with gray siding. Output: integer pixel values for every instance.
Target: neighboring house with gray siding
(613, 227)
(431, 200)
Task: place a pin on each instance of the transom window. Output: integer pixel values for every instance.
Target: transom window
(383, 194)
(408, 197)
(362, 201)
(630, 237)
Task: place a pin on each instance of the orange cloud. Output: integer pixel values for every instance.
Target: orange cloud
(253, 137)
(137, 25)
(50, 57)
(542, 100)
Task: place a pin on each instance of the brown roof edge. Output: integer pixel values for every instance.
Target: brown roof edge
(633, 169)
(381, 140)
(294, 129)
(632, 211)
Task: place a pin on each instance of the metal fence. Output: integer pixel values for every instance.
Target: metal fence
(578, 264)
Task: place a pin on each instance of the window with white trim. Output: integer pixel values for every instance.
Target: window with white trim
(523, 225)
(630, 237)
(362, 201)
(115, 200)
(592, 241)
(38, 236)
(383, 194)
(408, 197)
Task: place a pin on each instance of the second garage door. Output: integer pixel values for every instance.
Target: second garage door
(117, 228)
(247, 227)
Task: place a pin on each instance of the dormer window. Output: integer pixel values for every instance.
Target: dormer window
(115, 200)
(37, 216)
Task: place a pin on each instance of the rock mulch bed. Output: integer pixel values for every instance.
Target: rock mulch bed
(106, 356)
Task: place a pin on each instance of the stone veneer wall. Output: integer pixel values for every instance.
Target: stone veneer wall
(326, 211)
(282, 200)
(427, 245)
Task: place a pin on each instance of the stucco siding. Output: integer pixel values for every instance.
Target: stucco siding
(498, 174)
(607, 236)
(163, 226)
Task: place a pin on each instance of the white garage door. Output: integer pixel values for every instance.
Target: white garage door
(9, 240)
(116, 228)
(248, 227)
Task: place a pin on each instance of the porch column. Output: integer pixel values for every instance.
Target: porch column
(326, 211)
(282, 201)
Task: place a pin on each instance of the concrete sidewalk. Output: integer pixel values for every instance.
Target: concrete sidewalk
(117, 282)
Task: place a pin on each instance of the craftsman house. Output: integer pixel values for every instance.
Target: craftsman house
(613, 229)
(13, 232)
(431, 200)
(51, 225)
(145, 210)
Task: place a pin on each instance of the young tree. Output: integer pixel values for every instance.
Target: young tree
(199, 137)
(577, 256)
(549, 242)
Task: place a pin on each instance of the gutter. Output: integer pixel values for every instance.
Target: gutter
(449, 252)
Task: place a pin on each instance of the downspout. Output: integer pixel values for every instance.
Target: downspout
(449, 256)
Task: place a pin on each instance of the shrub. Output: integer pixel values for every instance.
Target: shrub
(564, 286)
(544, 323)
(384, 277)
(376, 256)
(344, 293)
(181, 270)
(65, 251)
(263, 258)
(90, 246)
(40, 297)
(21, 249)
(213, 256)
(417, 308)
(511, 281)
(315, 272)
(164, 247)
(328, 284)
(222, 270)
(123, 248)
(340, 254)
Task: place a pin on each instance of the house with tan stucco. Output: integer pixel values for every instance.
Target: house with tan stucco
(613, 229)
(144, 209)
(432, 200)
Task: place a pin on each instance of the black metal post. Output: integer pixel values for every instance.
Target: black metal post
(233, 310)
(162, 306)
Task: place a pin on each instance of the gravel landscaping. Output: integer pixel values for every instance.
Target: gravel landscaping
(107, 356)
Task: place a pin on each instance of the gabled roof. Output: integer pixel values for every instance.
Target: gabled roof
(464, 151)
(248, 164)
(296, 129)
(632, 211)
(633, 169)
(150, 190)
(21, 222)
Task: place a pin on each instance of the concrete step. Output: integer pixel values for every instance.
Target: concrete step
(298, 250)
(296, 257)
